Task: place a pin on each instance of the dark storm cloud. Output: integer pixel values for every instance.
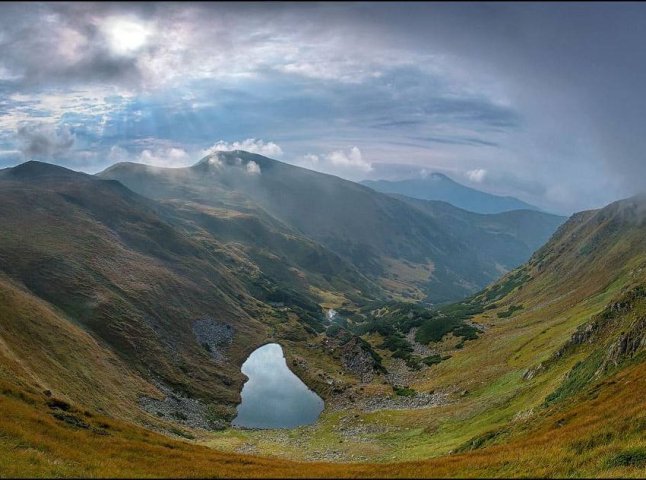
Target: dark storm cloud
(42, 141)
(47, 45)
(547, 98)
(581, 63)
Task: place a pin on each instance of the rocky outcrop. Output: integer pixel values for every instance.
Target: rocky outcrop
(389, 402)
(186, 411)
(356, 359)
(627, 345)
(214, 336)
(600, 327)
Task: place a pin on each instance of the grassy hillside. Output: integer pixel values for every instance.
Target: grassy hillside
(140, 277)
(406, 251)
(554, 365)
(505, 237)
(179, 292)
(598, 435)
(540, 373)
(103, 256)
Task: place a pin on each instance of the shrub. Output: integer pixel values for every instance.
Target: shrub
(404, 391)
(510, 311)
(634, 457)
(432, 359)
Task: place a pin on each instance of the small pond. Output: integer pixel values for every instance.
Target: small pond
(274, 397)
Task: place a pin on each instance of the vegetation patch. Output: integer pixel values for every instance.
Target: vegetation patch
(181, 433)
(510, 311)
(404, 391)
(451, 319)
(501, 289)
(57, 404)
(481, 441)
(594, 441)
(633, 457)
(70, 419)
(435, 359)
(577, 378)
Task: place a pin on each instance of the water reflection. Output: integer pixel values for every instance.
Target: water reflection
(274, 397)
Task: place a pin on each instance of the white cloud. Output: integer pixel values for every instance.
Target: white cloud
(310, 161)
(477, 175)
(118, 154)
(165, 157)
(157, 156)
(348, 164)
(352, 159)
(91, 102)
(126, 35)
(268, 149)
(215, 162)
(10, 153)
(253, 168)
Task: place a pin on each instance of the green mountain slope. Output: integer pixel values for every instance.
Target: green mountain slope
(101, 289)
(505, 237)
(541, 372)
(404, 250)
(437, 186)
(103, 256)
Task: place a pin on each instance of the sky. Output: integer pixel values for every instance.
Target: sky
(542, 101)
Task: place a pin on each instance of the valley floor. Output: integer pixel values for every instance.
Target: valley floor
(601, 435)
(491, 421)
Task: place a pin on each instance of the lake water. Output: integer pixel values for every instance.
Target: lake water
(274, 397)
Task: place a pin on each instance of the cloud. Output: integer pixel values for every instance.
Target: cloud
(10, 158)
(44, 140)
(268, 149)
(344, 163)
(310, 161)
(117, 154)
(125, 35)
(549, 93)
(350, 160)
(159, 156)
(215, 162)
(165, 157)
(477, 175)
(252, 168)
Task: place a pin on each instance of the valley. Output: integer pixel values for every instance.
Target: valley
(129, 301)
(322, 240)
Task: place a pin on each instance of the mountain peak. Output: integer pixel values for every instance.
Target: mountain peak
(438, 186)
(36, 169)
(250, 162)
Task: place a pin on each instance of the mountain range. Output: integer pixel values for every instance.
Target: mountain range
(129, 300)
(407, 251)
(437, 186)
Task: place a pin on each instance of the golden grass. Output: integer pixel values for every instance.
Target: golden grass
(579, 437)
(33, 443)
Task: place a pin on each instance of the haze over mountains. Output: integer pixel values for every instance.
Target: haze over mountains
(438, 186)
(409, 252)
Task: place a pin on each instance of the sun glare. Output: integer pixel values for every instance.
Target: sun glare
(126, 36)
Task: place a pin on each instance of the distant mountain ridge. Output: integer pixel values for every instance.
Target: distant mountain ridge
(438, 186)
(404, 249)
